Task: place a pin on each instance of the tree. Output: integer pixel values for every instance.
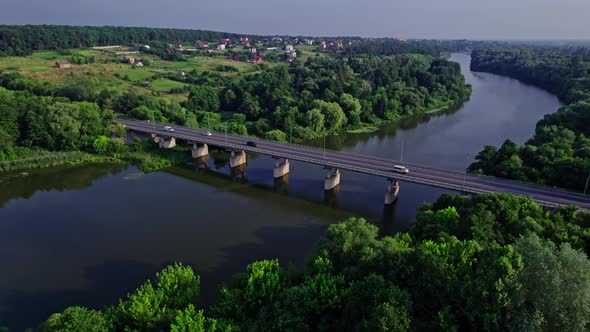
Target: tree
(333, 114)
(276, 135)
(260, 286)
(203, 98)
(315, 120)
(76, 319)
(100, 144)
(352, 108)
(153, 306)
(555, 293)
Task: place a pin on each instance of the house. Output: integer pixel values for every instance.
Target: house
(246, 43)
(289, 48)
(201, 43)
(181, 73)
(63, 64)
(257, 59)
(179, 47)
(309, 41)
(221, 46)
(147, 47)
(339, 44)
(139, 64)
(129, 59)
(323, 44)
(252, 50)
(244, 39)
(225, 40)
(292, 54)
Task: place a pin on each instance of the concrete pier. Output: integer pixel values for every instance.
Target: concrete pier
(200, 151)
(281, 168)
(167, 144)
(331, 179)
(237, 158)
(391, 191)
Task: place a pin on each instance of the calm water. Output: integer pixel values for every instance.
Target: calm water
(87, 235)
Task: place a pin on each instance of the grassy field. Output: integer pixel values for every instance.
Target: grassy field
(115, 75)
(164, 85)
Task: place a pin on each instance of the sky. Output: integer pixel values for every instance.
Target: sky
(471, 19)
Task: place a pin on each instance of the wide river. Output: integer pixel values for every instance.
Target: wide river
(87, 235)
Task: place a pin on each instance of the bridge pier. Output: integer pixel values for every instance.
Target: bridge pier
(281, 168)
(167, 144)
(391, 191)
(331, 179)
(200, 151)
(237, 158)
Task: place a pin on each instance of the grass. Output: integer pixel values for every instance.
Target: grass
(363, 130)
(164, 85)
(120, 76)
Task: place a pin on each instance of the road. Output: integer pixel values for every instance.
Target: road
(473, 184)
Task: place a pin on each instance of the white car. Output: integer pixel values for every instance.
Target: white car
(401, 169)
(207, 133)
(168, 128)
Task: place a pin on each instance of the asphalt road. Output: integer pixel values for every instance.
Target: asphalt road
(546, 196)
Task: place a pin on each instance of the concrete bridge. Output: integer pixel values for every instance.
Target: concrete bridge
(334, 161)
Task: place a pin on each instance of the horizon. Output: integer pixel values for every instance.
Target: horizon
(422, 19)
(513, 39)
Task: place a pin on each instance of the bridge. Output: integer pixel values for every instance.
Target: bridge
(334, 161)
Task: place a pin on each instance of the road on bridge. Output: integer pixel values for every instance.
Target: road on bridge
(473, 184)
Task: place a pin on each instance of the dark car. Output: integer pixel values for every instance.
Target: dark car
(251, 143)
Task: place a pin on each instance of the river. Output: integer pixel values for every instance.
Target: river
(87, 235)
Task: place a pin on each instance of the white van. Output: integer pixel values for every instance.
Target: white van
(401, 169)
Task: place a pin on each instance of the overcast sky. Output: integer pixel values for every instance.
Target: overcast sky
(474, 19)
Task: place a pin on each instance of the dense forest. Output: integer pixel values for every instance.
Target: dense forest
(389, 46)
(490, 262)
(559, 152)
(23, 40)
(327, 94)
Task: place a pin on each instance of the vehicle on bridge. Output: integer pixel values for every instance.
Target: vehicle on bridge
(168, 128)
(251, 143)
(401, 169)
(207, 133)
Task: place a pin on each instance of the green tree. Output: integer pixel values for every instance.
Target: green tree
(100, 144)
(153, 306)
(276, 135)
(203, 98)
(76, 319)
(555, 293)
(333, 114)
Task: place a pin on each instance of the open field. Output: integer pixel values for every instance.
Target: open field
(117, 75)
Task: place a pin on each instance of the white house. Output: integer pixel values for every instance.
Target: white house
(221, 47)
(289, 48)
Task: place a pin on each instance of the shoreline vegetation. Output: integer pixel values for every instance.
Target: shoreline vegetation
(559, 152)
(150, 159)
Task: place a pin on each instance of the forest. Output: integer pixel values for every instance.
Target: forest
(559, 152)
(492, 262)
(24, 39)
